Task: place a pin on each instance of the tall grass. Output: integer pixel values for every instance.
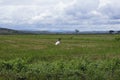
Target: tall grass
(76, 69)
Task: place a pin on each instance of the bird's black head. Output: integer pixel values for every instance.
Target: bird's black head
(59, 39)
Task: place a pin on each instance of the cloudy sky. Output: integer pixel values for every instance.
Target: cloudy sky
(84, 15)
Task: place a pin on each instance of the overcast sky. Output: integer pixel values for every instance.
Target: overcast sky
(60, 14)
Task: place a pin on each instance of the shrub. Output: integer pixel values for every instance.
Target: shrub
(75, 69)
(117, 39)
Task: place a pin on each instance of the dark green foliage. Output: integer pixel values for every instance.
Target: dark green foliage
(77, 69)
(117, 38)
(111, 31)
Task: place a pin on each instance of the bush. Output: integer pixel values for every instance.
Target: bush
(117, 38)
(75, 69)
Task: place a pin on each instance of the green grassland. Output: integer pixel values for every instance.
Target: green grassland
(78, 57)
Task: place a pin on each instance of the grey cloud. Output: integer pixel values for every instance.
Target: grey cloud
(112, 9)
(28, 2)
(82, 14)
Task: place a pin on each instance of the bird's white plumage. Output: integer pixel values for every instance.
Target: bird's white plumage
(57, 43)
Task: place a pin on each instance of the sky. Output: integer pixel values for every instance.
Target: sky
(84, 15)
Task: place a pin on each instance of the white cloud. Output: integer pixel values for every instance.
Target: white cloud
(104, 3)
(28, 2)
(110, 8)
(60, 12)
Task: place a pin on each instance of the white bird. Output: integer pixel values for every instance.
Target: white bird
(57, 43)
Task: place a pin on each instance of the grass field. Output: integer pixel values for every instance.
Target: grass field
(78, 57)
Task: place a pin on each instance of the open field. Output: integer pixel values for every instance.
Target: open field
(78, 57)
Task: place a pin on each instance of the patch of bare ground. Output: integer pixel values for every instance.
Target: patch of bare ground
(10, 41)
(32, 47)
(81, 45)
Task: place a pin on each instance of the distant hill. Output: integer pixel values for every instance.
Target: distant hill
(8, 31)
(11, 31)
